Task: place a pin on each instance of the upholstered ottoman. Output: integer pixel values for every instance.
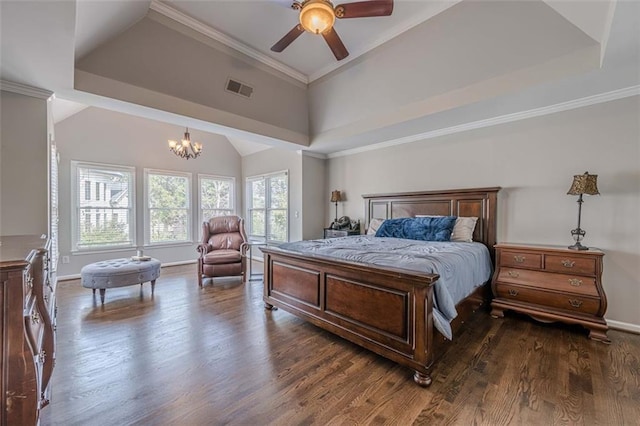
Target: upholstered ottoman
(119, 273)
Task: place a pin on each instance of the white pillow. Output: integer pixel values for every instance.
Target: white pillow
(462, 230)
(374, 224)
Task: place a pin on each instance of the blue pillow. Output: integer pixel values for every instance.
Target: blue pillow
(418, 228)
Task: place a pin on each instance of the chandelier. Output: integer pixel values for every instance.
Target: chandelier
(186, 148)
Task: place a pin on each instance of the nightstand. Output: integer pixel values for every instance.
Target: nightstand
(551, 283)
(335, 233)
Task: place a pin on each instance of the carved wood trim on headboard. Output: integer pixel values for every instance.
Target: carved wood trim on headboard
(478, 202)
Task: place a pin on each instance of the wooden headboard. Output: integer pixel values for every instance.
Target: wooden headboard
(477, 202)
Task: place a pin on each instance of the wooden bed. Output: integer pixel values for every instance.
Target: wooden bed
(385, 310)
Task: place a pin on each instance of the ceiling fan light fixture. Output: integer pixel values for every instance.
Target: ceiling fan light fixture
(317, 16)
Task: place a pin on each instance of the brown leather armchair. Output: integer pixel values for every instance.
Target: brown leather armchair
(223, 249)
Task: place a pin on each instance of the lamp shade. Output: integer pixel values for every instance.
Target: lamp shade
(335, 196)
(584, 184)
(317, 16)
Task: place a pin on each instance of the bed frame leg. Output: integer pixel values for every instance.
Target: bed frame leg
(422, 379)
(270, 307)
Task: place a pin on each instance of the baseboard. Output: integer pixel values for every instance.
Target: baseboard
(182, 262)
(77, 276)
(68, 277)
(623, 326)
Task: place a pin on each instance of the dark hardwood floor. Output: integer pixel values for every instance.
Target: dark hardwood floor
(191, 356)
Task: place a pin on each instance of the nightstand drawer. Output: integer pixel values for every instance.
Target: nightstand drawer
(521, 259)
(570, 265)
(575, 303)
(545, 280)
(337, 233)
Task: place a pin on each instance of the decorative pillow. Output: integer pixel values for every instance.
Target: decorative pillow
(374, 224)
(462, 230)
(418, 228)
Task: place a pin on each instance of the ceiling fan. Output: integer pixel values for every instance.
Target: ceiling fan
(318, 17)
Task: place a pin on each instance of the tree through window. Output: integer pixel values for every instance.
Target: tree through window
(268, 207)
(168, 207)
(216, 194)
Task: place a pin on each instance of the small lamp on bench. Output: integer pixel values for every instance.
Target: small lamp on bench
(582, 184)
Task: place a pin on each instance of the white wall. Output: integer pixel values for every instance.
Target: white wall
(533, 161)
(24, 207)
(102, 136)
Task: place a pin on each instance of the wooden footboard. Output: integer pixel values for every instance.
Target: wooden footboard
(386, 311)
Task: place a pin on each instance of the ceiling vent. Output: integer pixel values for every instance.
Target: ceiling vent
(239, 88)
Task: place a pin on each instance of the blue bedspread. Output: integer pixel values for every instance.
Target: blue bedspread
(462, 266)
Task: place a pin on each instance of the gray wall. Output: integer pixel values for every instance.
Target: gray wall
(194, 71)
(533, 161)
(102, 136)
(314, 197)
(24, 167)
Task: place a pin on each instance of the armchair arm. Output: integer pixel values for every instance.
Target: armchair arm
(203, 249)
(244, 247)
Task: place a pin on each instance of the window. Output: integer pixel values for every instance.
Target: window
(268, 207)
(216, 196)
(97, 191)
(168, 213)
(115, 228)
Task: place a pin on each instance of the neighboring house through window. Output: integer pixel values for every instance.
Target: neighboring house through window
(268, 207)
(168, 207)
(105, 223)
(216, 196)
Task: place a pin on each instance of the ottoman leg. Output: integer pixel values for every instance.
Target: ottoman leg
(94, 291)
(102, 292)
(153, 286)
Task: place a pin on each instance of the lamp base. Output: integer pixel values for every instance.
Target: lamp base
(578, 246)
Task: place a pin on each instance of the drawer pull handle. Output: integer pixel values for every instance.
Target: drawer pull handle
(568, 263)
(30, 282)
(518, 259)
(575, 282)
(575, 303)
(514, 274)
(35, 317)
(513, 292)
(46, 298)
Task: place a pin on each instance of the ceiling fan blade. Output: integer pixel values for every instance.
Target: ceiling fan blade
(335, 44)
(288, 38)
(364, 9)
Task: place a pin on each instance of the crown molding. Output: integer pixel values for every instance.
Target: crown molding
(312, 154)
(494, 121)
(206, 30)
(23, 89)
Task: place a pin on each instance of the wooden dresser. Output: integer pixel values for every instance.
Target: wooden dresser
(28, 320)
(551, 283)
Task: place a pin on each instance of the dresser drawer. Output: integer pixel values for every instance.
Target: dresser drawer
(569, 302)
(545, 280)
(570, 265)
(521, 259)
